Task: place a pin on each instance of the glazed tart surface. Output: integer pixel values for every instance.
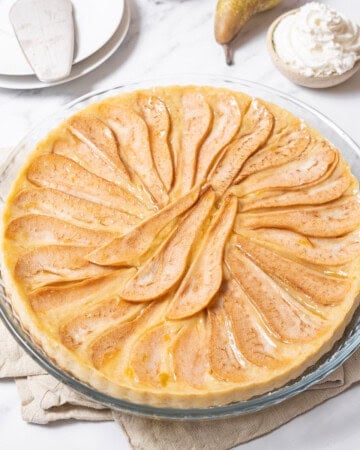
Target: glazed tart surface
(183, 246)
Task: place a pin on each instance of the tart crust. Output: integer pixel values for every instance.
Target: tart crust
(183, 246)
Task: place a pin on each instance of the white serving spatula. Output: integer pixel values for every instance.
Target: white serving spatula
(45, 31)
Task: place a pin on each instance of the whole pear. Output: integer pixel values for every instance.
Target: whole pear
(230, 17)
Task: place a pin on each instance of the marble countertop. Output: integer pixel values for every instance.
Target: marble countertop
(176, 37)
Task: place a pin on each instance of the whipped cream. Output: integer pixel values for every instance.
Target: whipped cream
(317, 41)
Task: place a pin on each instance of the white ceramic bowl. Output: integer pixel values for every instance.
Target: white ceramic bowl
(318, 82)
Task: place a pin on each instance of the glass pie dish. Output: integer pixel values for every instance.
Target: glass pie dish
(342, 349)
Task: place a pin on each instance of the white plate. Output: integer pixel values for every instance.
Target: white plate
(95, 23)
(80, 69)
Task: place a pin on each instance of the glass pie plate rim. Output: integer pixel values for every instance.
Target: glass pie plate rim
(341, 350)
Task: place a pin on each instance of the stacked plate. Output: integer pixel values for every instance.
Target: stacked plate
(100, 28)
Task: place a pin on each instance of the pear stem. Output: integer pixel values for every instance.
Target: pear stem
(228, 54)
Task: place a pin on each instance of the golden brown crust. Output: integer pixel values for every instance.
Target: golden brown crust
(184, 246)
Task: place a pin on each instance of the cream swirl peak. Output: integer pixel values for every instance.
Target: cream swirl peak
(317, 41)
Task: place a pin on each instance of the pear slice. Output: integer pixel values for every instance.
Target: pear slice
(99, 138)
(226, 122)
(205, 274)
(196, 123)
(133, 137)
(190, 354)
(60, 173)
(114, 340)
(251, 337)
(307, 171)
(224, 363)
(331, 189)
(323, 289)
(158, 275)
(93, 145)
(251, 138)
(80, 293)
(70, 147)
(34, 230)
(323, 251)
(73, 209)
(287, 318)
(156, 116)
(55, 263)
(148, 358)
(330, 220)
(127, 249)
(290, 145)
(96, 319)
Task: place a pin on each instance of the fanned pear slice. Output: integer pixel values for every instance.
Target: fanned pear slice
(330, 220)
(330, 189)
(156, 116)
(226, 122)
(76, 210)
(205, 274)
(96, 319)
(79, 293)
(96, 163)
(322, 251)
(127, 249)
(55, 263)
(190, 353)
(285, 316)
(224, 363)
(306, 170)
(99, 138)
(323, 289)
(33, 229)
(257, 126)
(133, 136)
(196, 122)
(149, 355)
(115, 339)
(251, 336)
(291, 143)
(60, 173)
(157, 276)
(97, 151)
(70, 147)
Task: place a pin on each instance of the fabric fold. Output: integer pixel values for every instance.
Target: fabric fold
(148, 434)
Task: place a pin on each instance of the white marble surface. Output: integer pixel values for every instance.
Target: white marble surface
(174, 37)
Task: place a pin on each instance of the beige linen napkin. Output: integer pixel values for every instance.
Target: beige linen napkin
(44, 399)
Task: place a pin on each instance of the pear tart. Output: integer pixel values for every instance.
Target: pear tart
(183, 246)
